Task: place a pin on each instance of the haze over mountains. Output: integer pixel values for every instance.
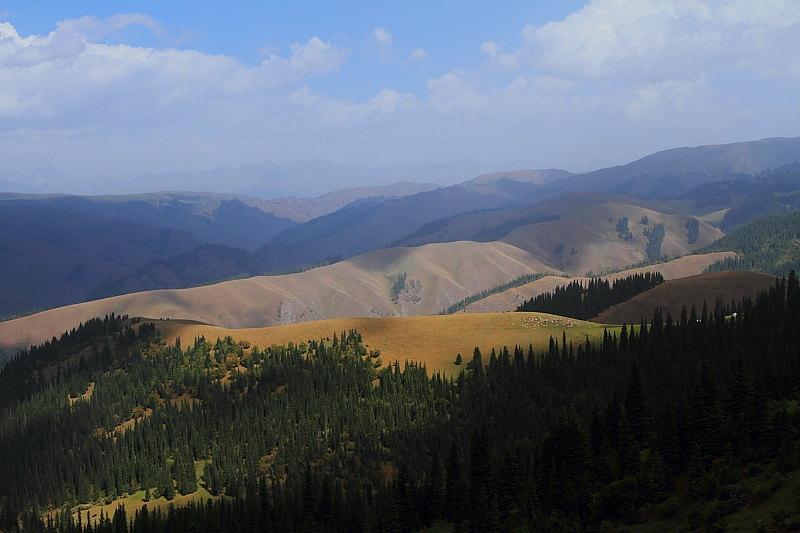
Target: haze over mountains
(206, 237)
(304, 178)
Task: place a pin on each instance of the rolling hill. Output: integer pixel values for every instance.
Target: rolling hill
(372, 224)
(366, 224)
(589, 240)
(510, 299)
(671, 295)
(434, 277)
(398, 339)
(577, 232)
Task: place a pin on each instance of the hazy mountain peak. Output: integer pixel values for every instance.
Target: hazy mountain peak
(539, 177)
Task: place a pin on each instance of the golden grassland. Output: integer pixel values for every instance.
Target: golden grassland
(361, 286)
(430, 340)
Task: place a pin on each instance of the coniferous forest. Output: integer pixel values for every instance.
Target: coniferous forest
(581, 301)
(769, 244)
(312, 437)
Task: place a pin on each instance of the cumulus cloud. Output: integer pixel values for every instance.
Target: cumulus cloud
(498, 59)
(649, 40)
(683, 71)
(645, 60)
(67, 76)
(76, 95)
(312, 58)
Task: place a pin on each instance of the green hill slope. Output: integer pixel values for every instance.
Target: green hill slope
(770, 245)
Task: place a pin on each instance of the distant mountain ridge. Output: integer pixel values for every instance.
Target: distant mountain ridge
(539, 177)
(210, 218)
(669, 172)
(52, 257)
(239, 235)
(304, 209)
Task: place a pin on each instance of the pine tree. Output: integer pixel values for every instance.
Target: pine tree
(634, 403)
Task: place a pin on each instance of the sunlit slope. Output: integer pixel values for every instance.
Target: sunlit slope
(432, 340)
(510, 299)
(694, 290)
(588, 240)
(436, 276)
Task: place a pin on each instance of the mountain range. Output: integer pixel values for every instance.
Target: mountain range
(667, 204)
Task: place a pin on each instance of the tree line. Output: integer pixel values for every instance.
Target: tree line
(585, 301)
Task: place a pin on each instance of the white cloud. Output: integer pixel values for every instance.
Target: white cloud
(633, 64)
(382, 36)
(309, 59)
(334, 111)
(491, 48)
(382, 44)
(417, 55)
(69, 78)
(615, 79)
(659, 39)
(497, 59)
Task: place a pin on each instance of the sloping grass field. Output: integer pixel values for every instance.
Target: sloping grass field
(430, 340)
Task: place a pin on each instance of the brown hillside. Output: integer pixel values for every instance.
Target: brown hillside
(510, 299)
(471, 226)
(694, 290)
(437, 275)
(432, 340)
(588, 241)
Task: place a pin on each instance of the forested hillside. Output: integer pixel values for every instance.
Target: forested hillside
(770, 245)
(680, 422)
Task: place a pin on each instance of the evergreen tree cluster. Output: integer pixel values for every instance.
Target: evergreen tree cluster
(398, 286)
(584, 302)
(311, 437)
(516, 282)
(770, 245)
(692, 230)
(655, 237)
(623, 231)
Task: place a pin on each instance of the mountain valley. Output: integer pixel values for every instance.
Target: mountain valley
(383, 373)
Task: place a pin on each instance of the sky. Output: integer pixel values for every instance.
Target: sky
(91, 90)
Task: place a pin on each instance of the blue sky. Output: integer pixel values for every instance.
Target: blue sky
(95, 89)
